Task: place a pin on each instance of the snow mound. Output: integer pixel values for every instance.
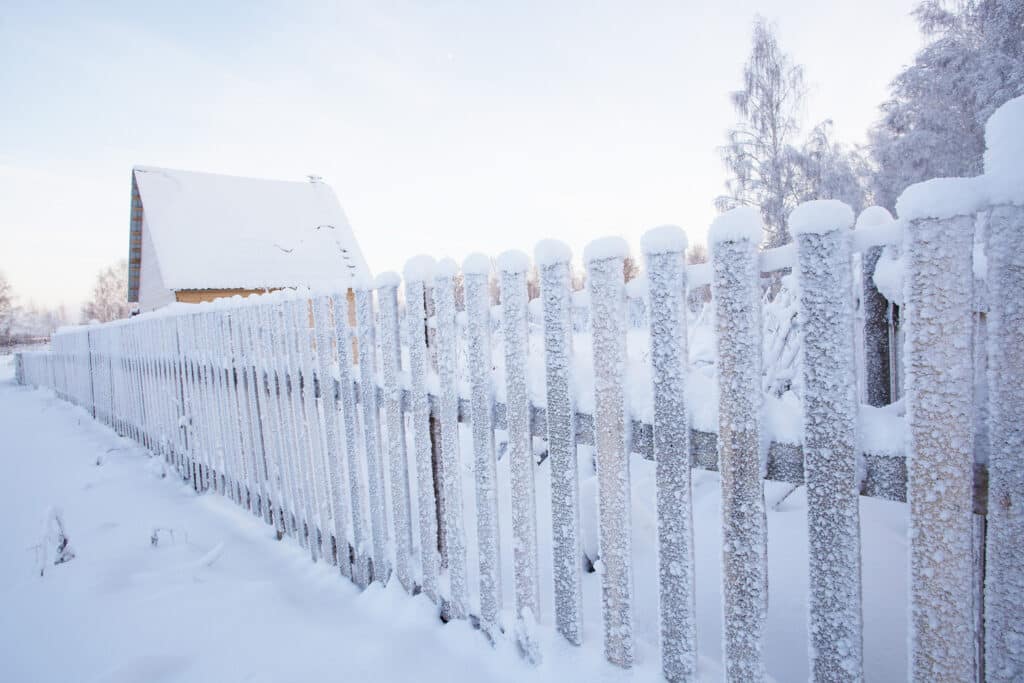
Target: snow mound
(874, 216)
(1004, 152)
(513, 261)
(476, 264)
(664, 238)
(605, 248)
(419, 268)
(550, 252)
(819, 217)
(741, 223)
(387, 279)
(888, 276)
(446, 267)
(941, 198)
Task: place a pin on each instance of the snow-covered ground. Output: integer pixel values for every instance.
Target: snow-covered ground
(219, 598)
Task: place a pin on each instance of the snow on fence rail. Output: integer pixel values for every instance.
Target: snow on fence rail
(259, 400)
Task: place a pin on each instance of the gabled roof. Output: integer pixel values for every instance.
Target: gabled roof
(219, 232)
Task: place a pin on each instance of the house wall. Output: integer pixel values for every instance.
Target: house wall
(153, 293)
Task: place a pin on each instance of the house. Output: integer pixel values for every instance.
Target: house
(201, 236)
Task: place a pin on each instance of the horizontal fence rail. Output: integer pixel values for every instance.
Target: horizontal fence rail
(339, 425)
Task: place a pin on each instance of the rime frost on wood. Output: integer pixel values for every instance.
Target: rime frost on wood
(555, 286)
(290, 388)
(478, 309)
(391, 354)
(1004, 570)
(940, 460)
(371, 432)
(876, 313)
(830, 443)
(270, 416)
(415, 317)
(309, 452)
(448, 413)
(356, 471)
(666, 275)
(604, 266)
(520, 451)
(734, 286)
(325, 342)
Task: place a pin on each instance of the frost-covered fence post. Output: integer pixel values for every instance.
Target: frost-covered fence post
(552, 258)
(1004, 570)
(940, 423)
(447, 354)
(665, 251)
(356, 472)
(418, 271)
(835, 627)
(391, 355)
(733, 238)
(513, 266)
(477, 269)
(877, 373)
(371, 428)
(326, 370)
(604, 259)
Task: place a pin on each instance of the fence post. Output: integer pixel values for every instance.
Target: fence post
(1004, 578)
(665, 249)
(391, 353)
(835, 628)
(877, 371)
(552, 258)
(477, 269)
(940, 424)
(418, 271)
(447, 353)
(733, 238)
(349, 411)
(604, 259)
(513, 266)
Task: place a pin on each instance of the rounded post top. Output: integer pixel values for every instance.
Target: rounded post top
(819, 217)
(419, 268)
(605, 248)
(549, 252)
(736, 225)
(663, 239)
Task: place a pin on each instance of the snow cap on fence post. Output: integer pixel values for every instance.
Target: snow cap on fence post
(604, 259)
(835, 625)
(513, 266)
(1004, 563)
(419, 270)
(665, 252)
(733, 237)
(938, 289)
(552, 257)
(447, 372)
(476, 269)
(394, 422)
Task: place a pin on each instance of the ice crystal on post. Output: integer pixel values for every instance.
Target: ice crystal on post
(513, 266)
(940, 460)
(821, 230)
(447, 347)
(604, 260)
(418, 271)
(553, 260)
(1004, 566)
(476, 270)
(371, 430)
(734, 237)
(391, 353)
(350, 415)
(665, 249)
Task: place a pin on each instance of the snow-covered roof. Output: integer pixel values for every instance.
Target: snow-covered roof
(214, 231)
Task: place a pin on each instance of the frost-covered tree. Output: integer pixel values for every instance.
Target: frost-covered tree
(827, 169)
(932, 125)
(759, 154)
(109, 295)
(6, 309)
(698, 253)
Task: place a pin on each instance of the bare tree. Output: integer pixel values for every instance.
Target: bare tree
(698, 253)
(759, 154)
(109, 295)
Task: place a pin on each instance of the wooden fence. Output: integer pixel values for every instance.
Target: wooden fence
(259, 400)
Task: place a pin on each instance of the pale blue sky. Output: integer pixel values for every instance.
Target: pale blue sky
(444, 127)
